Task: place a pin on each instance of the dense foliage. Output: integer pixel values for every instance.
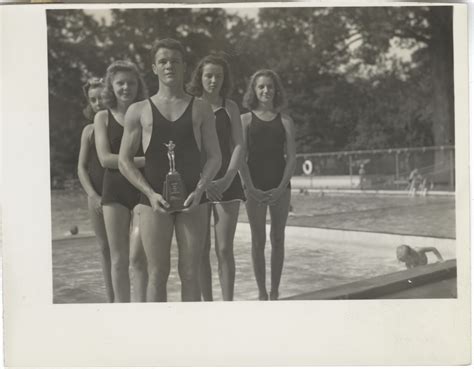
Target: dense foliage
(356, 78)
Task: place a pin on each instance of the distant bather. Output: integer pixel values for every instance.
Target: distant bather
(415, 256)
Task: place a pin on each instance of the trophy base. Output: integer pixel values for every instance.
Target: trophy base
(174, 192)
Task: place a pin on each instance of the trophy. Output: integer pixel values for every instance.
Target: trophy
(174, 190)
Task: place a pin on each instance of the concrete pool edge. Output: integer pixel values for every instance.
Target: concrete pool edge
(388, 284)
(370, 192)
(336, 235)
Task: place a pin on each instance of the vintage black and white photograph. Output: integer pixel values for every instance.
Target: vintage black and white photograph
(302, 166)
(239, 154)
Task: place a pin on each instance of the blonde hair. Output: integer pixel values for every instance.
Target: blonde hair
(108, 95)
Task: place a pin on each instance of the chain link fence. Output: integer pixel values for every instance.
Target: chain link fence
(430, 168)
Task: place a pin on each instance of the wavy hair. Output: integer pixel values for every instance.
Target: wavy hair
(194, 87)
(93, 82)
(250, 100)
(108, 96)
(167, 43)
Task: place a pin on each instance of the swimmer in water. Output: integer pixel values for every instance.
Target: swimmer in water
(416, 256)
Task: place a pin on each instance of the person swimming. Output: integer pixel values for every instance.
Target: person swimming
(416, 256)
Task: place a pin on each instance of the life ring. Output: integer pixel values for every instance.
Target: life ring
(308, 167)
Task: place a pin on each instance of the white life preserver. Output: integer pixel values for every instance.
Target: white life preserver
(307, 167)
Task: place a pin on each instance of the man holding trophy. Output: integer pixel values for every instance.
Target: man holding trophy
(174, 129)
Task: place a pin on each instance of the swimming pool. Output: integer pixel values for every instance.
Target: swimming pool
(330, 240)
(423, 216)
(315, 259)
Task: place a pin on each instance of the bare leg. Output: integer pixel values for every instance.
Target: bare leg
(190, 238)
(157, 231)
(98, 225)
(205, 272)
(279, 215)
(117, 224)
(257, 214)
(225, 215)
(138, 259)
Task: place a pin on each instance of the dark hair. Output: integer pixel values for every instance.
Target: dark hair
(108, 95)
(250, 99)
(195, 86)
(93, 82)
(166, 43)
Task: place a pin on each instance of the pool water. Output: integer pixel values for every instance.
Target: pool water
(312, 261)
(423, 216)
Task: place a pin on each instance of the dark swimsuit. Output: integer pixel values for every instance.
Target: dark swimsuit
(116, 188)
(224, 133)
(266, 152)
(94, 169)
(187, 154)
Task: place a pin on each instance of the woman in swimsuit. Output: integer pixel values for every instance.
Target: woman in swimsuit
(270, 158)
(123, 86)
(212, 83)
(91, 175)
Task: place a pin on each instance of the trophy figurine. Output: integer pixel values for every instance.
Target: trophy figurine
(174, 190)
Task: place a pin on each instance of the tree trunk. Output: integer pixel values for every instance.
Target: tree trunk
(441, 54)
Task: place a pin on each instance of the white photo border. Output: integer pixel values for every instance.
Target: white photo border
(40, 333)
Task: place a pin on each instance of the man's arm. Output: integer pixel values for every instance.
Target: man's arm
(128, 147)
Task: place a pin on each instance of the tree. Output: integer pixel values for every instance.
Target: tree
(357, 78)
(73, 56)
(429, 30)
